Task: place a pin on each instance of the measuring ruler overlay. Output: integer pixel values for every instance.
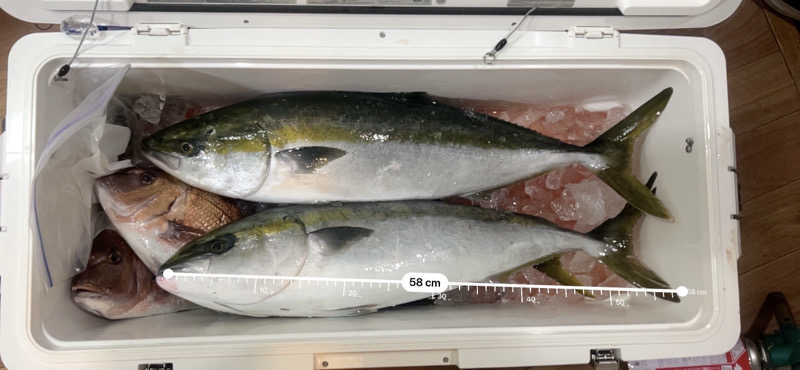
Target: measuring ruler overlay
(435, 283)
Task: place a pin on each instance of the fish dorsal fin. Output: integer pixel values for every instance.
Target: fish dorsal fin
(333, 239)
(307, 159)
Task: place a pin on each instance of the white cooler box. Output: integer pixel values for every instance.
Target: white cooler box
(567, 52)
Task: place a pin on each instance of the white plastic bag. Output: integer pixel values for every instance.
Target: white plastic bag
(81, 148)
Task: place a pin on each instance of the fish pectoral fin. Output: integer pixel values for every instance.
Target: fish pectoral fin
(309, 158)
(181, 233)
(333, 239)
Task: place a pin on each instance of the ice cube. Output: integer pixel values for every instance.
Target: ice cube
(585, 204)
(553, 178)
(613, 201)
(500, 199)
(615, 280)
(589, 203)
(176, 109)
(149, 107)
(578, 262)
(580, 208)
(555, 116)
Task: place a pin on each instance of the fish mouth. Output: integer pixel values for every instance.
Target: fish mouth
(167, 277)
(86, 291)
(195, 265)
(163, 160)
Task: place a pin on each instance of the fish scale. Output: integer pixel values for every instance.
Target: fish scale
(205, 211)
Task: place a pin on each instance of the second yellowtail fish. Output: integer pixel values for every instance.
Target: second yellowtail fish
(382, 240)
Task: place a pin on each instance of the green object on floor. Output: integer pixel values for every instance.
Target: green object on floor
(783, 346)
(780, 348)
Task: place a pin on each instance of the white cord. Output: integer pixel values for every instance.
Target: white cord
(65, 68)
(491, 56)
(520, 22)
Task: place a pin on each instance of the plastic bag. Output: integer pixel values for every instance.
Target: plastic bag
(81, 148)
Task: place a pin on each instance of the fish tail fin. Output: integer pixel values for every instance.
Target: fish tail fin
(618, 146)
(618, 233)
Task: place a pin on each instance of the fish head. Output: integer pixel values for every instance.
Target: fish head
(114, 281)
(138, 194)
(241, 263)
(226, 152)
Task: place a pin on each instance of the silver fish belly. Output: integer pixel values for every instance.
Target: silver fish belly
(403, 171)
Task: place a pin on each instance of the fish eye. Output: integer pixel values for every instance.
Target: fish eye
(187, 147)
(211, 131)
(146, 178)
(218, 246)
(114, 257)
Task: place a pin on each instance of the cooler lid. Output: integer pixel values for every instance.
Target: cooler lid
(456, 14)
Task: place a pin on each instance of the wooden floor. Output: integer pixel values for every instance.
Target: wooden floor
(763, 57)
(763, 79)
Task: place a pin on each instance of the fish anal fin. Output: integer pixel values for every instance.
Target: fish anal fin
(553, 269)
(505, 276)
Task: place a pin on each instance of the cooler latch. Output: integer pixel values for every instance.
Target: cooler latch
(593, 32)
(160, 29)
(161, 366)
(605, 359)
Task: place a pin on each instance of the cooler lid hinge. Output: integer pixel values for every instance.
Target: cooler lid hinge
(584, 32)
(605, 359)
(161, 29)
